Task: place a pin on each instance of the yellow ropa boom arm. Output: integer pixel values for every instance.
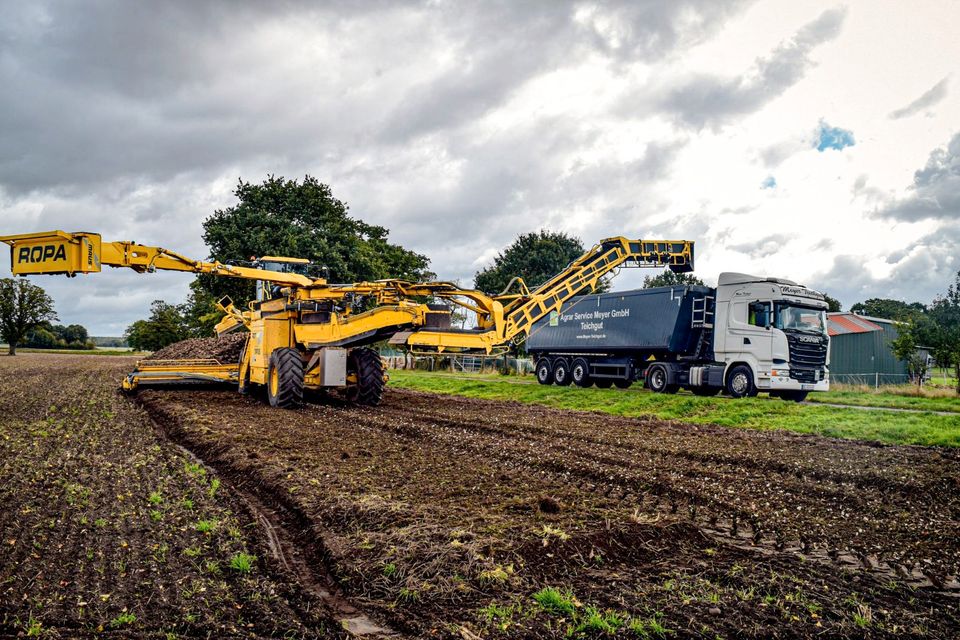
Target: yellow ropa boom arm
(58, 252)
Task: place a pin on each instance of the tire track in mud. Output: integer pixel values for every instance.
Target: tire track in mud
(294, 542)
(561, 455)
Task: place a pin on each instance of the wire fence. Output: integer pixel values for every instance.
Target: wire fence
(461, 364)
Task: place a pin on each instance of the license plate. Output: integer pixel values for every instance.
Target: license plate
(807, 387)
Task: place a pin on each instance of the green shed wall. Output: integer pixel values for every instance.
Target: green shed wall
(868, 354)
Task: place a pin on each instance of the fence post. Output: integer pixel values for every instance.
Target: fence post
(876, 382)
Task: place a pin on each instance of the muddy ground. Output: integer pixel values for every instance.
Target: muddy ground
(107, 528)
(442, 517)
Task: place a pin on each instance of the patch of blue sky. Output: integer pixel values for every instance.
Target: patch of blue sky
(833, 138)
(768, 183)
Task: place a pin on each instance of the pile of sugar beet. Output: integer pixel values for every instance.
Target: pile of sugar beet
(225, 349)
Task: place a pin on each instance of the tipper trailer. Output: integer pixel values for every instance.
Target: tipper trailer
(749, 334)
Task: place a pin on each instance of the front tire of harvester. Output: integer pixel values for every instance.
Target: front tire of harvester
(561, 372)
(285, 379)
(544, 371)
(740, 382)
(580, 372)
(794, 396)
(368, 367)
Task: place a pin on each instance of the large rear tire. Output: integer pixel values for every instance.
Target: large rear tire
(368, 368)
(544, 371)
(285, 379)
(580, 372)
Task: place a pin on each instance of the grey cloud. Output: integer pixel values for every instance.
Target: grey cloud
(704, 100)
(930, 97)
(766, 246)
(135, 121)
(919, 273)
(935, 192)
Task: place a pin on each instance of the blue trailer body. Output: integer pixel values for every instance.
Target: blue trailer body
(655, 321)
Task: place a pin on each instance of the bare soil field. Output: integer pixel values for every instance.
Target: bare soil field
(438, 516)
(108, 528)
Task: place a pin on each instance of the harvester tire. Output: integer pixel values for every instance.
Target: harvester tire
(544, 371)
(580, 373)
(368, 367)
(285, 379)
(561, 372)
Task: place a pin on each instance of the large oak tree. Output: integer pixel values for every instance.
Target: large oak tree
(23, 306)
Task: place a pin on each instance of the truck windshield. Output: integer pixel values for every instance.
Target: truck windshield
(799, 318)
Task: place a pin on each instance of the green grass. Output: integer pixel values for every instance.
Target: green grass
(552, 600)
(896, 397)
(242, 562)
(749, 413)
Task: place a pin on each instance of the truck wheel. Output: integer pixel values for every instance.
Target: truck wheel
(604, 383)
(561, 372)
(657, 380)
(368, 367)
(740, 382)
(705, 392)
(794, 396)
(580, 372)
(544, 371)
(620, 383)
(285, 379)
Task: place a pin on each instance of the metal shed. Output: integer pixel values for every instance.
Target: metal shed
(860, 350)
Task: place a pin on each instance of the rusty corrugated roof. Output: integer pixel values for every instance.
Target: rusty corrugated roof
(840, 323)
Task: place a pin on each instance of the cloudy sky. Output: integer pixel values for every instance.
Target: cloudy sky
(811, 140)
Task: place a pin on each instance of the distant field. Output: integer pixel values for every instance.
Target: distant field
(921, 427)
(99, 351)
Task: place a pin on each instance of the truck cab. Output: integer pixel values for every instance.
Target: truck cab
(771, 333)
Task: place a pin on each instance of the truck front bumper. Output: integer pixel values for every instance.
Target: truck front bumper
(783, 383)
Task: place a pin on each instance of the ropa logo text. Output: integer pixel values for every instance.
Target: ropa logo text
(42, 253)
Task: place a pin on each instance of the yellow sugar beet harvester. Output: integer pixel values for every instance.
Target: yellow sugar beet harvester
(306, 333)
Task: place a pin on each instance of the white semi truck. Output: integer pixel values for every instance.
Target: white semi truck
(747, 335)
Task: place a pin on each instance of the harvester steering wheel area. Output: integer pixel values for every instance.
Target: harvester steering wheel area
(285, 379)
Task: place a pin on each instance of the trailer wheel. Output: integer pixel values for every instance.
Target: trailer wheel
(561, 372)
(285, 379)
(657, 380)
(604, 383)
(368, 367)
(580, 372)
(544, 371)
(740, 382)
